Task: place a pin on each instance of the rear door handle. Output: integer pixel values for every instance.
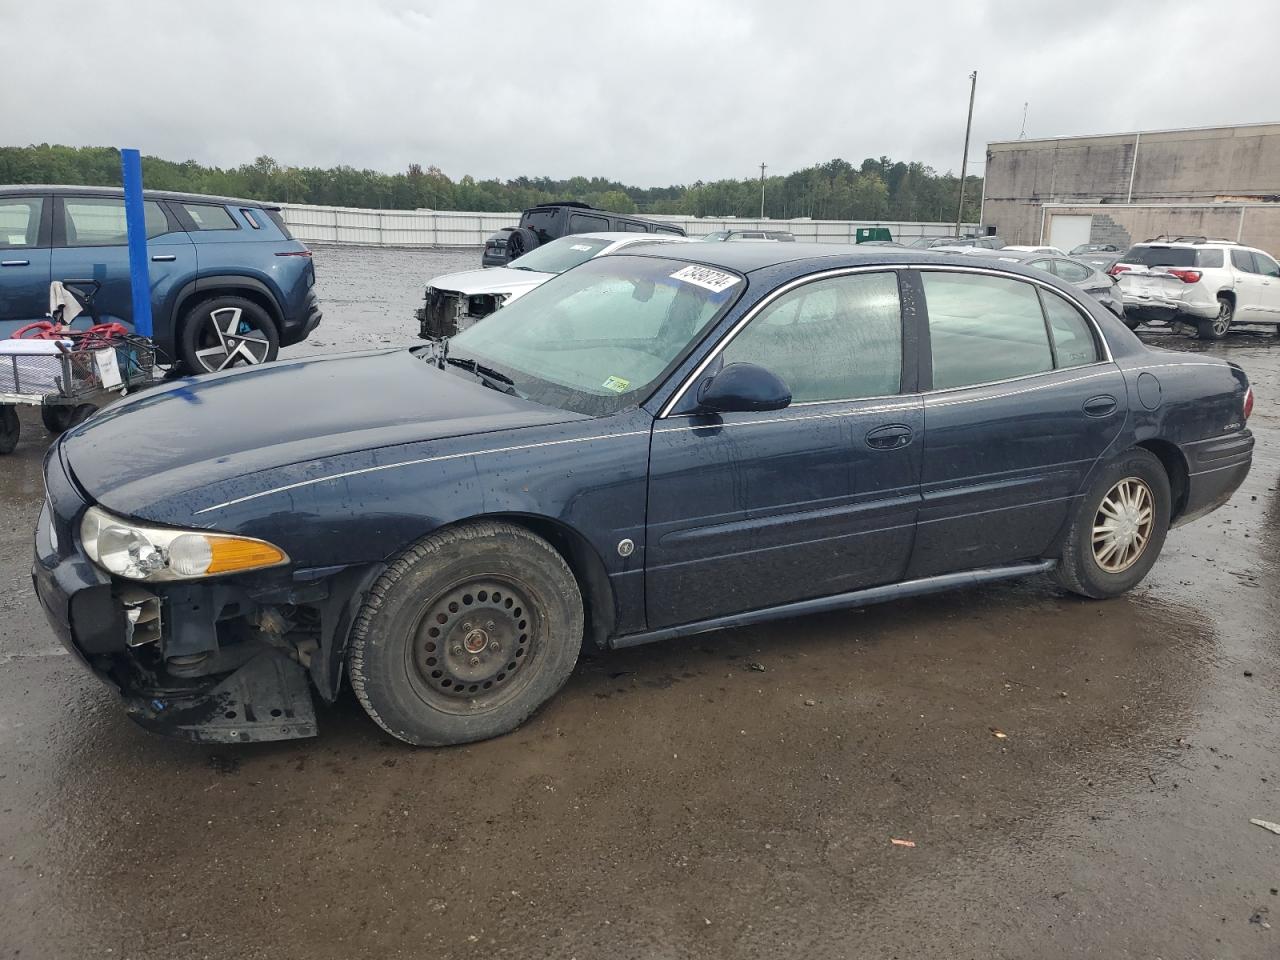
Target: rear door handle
(15, 263)
(1102, 406)
(889, 437)
(164, 258)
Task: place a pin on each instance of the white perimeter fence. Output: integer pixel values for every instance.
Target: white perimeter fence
(450, 228)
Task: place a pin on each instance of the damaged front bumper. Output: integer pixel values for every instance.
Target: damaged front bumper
(447, 312)
(230, 660)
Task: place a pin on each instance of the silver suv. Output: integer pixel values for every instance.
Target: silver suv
(1203, 282)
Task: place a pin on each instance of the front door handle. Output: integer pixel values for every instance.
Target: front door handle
(164, 258)
(1102, 406)
(890, 437)
(15, 263)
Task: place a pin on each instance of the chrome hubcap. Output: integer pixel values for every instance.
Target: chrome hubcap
(230, 340)
(1122, 526)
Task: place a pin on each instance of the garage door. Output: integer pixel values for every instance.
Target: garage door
(1068, 230)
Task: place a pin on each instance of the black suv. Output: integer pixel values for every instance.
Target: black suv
(551, 221)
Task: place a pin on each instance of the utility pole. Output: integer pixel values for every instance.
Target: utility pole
(762, 191)
(964, 162)
(1022, 134)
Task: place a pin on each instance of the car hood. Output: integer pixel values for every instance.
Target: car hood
(491, 280)
(206, 430)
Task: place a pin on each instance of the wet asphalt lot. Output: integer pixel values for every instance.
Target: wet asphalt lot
(674, 801)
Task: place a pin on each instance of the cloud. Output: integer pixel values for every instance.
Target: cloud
(669, 91)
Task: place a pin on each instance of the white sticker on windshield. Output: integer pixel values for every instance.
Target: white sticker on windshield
(616, 384)
(705, 277)
(584, 247)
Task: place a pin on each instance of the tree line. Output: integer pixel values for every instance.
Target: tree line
(877, 189)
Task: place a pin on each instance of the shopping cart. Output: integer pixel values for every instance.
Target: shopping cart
(69, 373)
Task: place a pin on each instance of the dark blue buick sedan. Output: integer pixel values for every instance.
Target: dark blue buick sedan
(652, 445)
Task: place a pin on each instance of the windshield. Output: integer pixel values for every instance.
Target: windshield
(600, 337)
(718, 235)
(559, 255)
(1161, 256)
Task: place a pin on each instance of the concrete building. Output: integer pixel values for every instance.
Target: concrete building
(1211, 181)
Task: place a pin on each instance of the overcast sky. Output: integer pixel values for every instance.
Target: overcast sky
(650, 93)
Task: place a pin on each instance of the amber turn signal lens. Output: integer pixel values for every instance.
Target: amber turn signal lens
(231, 554)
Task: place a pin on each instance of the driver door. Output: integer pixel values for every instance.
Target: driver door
(755, 509)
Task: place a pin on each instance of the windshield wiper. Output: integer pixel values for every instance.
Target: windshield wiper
(487, 375)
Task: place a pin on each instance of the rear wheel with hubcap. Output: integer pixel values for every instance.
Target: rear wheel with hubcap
(1215, 328)
(1119, 528)
(466, 634)
(227, 332)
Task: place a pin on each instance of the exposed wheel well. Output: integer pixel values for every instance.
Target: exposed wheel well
(204, 296)
(599, 608)
(1228, 295)
(1175, 466)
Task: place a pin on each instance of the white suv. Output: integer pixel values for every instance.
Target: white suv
(1207, 283)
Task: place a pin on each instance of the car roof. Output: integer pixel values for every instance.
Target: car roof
(613, 236)
(10, 189)
(803, 256)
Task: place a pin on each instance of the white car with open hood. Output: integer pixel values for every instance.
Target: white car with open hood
(457, 300)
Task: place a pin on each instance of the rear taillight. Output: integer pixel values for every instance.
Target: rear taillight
(293, 253)
(1248, 402)
(1183, 274)
(1117, 269)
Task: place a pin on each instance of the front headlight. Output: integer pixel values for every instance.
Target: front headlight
(139, 552)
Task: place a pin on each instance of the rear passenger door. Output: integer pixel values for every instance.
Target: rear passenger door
(1249, 289)
(1022, 403)
(90, 242)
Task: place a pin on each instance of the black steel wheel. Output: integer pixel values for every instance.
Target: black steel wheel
(466, 634)
(227, 332)
(474, 642)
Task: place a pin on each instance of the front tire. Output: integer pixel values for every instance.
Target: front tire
(1215, 328)
(465, 635)
(1119, 527)
(227, 332)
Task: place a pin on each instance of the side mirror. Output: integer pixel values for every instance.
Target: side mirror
(744, 386)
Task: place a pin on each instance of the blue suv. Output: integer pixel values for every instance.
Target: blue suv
(229, 284)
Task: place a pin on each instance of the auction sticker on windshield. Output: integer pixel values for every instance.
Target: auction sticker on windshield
(705, 277)
(584, 247)
(616, 384)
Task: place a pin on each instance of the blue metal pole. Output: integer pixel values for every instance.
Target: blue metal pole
(136, 223)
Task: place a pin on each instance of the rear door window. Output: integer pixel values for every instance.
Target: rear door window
(1073, 343)
(1243, 260)
(100, 221)
(983, 329)
(835, 339)
(630, 226)
(20, 221)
